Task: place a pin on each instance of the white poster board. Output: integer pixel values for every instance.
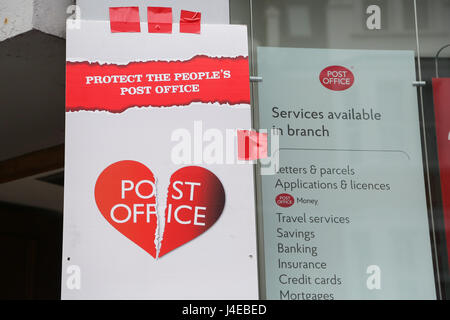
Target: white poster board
(156, 204)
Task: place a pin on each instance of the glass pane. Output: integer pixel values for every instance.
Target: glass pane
(304, 81)
(434, 34)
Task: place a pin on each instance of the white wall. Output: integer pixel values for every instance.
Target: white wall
(16, 17)
(50, 16)
(19, 16)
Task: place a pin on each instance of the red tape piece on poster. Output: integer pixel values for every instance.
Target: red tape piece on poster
(190, 21)
(252, 145)
(159, 20)
(115, 88)
(124, 19)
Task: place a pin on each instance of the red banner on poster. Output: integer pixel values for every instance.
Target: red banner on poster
(115, 88)
(441, 92)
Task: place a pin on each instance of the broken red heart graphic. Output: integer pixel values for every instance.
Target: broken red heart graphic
(125, 193)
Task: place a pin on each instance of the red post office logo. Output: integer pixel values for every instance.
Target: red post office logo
(285, 200)
(337, 78)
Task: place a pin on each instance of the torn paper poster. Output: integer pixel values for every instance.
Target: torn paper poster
(157, 203)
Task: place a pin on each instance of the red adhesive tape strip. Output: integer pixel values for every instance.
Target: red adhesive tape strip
(190, 21)
(159, 20)
(252, 145)
(124, 19)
